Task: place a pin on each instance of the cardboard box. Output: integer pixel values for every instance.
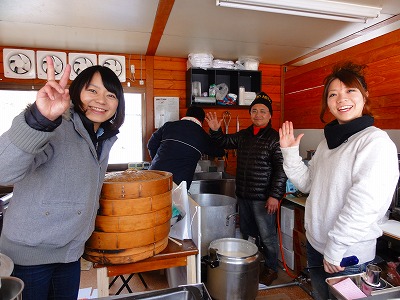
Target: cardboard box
(287, 219)
(289, 257)
(300, 262)
(299, 243)
(287, 241)
(299, 219)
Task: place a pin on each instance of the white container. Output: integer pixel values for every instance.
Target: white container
(287, 220)
(287, 241)
(196, 88)
(200, 60)
(289, 257)
(241, 95)
(251, 64)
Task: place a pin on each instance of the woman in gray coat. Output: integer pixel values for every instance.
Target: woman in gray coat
(55, 155)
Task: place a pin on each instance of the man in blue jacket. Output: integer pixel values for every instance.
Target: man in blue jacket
(177, 146)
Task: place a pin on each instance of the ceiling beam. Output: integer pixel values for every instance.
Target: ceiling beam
(163, 12)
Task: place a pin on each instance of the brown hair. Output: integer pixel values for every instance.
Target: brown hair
(351, 75)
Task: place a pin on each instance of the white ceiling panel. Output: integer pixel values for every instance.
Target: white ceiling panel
(125, 26)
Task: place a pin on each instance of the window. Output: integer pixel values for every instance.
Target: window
(128, 147)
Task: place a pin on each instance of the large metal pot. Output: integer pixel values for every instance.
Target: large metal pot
(218, 214)
(233, 268)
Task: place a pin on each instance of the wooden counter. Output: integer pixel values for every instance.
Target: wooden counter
(391, 228)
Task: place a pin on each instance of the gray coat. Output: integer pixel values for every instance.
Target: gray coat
(57, 180)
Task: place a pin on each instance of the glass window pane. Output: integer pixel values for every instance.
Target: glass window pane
(128, 147)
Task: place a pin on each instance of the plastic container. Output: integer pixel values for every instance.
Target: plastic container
(242, 95)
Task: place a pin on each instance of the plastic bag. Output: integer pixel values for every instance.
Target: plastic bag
(221, 91)
(181, 230)
(200, 60)
(229, 99)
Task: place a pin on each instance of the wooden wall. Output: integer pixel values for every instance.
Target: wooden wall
(303, 85)
(166, 77)
(170, 80)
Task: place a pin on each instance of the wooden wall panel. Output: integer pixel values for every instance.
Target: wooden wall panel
(170, 80)
(166, 77)
(303, 85)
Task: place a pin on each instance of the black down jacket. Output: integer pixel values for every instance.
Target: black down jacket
(259, 172)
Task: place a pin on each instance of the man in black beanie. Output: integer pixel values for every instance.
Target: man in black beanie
(177, 146)
(260, 179)
(262, 98)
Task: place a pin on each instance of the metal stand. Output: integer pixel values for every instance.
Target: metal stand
(302, 281)
(125, 282)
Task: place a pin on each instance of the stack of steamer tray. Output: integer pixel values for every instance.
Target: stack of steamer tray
(133, 221)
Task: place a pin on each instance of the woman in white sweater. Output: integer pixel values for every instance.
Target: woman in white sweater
(350, 179)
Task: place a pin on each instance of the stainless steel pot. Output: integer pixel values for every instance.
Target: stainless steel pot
(11, 288)
(233, 269)
(218, 214)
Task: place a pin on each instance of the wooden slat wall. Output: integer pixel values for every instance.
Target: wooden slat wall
(170, 81)
(166, 77)
(303, 85)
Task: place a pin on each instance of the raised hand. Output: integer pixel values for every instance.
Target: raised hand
(212, 121)
(286, 136)
(53, 99)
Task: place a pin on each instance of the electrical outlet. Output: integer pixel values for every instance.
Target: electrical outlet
(141, 82)
(133, 69)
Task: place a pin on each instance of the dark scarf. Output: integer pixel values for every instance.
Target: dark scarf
(97, 140)
(337, 134)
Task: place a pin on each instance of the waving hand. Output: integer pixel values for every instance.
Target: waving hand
(53, 99)
(212, 121)
(286, 136)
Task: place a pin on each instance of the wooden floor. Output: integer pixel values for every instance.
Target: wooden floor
(156, 280)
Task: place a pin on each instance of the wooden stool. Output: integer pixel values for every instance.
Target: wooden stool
(172, 256)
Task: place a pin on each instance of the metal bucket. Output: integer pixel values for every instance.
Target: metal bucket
(218, 214)
(11, 288)
(233, 268)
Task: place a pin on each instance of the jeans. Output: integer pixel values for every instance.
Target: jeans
(58, 281)
(318, 274)
(255, 221)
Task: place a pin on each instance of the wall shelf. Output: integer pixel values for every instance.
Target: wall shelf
(251, 80)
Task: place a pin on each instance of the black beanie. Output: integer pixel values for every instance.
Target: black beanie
(262, 98)
(196, 112)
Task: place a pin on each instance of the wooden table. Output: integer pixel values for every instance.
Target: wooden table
(172, 256)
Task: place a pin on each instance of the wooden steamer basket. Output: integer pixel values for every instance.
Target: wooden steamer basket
(133, 220)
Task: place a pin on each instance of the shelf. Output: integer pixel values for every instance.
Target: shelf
(251, 80)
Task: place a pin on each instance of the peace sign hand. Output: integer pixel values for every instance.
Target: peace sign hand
(53, 99)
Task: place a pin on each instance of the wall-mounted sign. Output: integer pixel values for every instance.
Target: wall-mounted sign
(165, 109)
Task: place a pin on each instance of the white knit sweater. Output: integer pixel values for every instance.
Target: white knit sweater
(351, 188)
